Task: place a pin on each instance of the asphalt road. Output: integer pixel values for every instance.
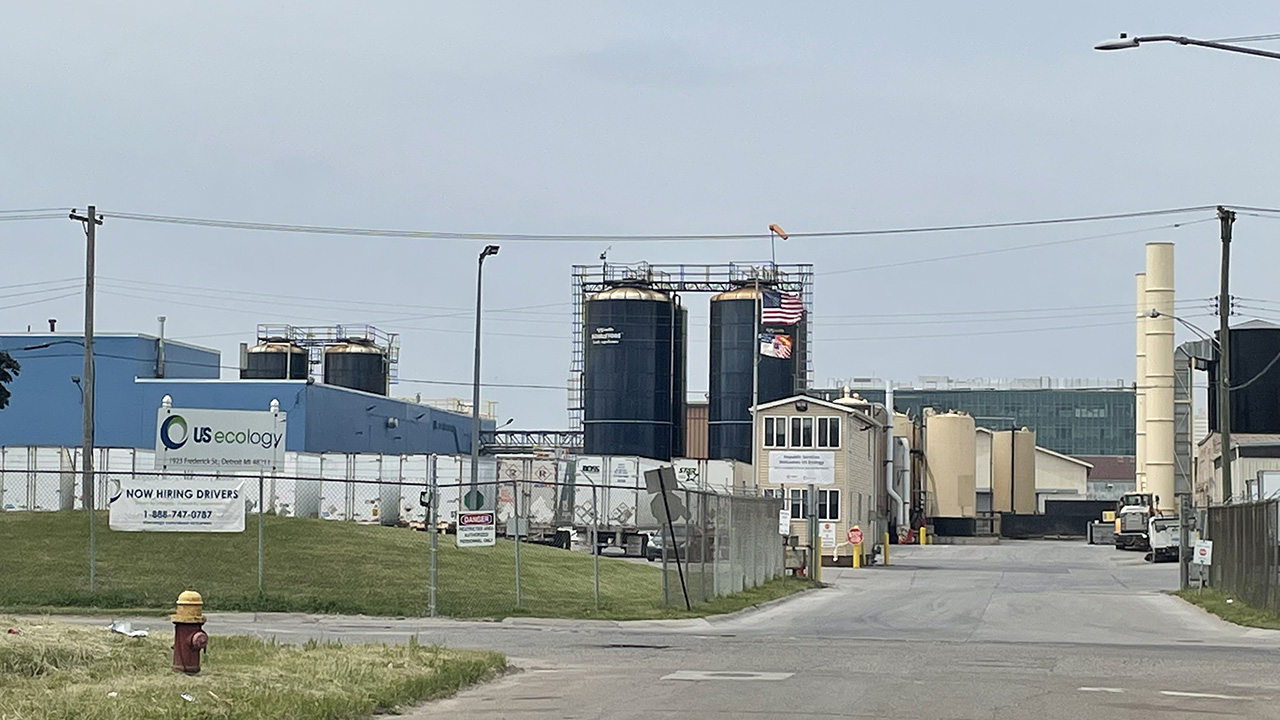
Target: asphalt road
(1041, 630)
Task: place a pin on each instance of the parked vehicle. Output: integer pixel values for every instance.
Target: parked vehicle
(1164, 535)
(1133, 511)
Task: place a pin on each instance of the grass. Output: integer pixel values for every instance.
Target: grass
(320, 566)
(1237, 611)
(53, 671)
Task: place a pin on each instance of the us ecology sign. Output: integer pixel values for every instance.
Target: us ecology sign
(201, 440)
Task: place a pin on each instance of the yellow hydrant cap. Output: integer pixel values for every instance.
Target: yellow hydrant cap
(190, 606)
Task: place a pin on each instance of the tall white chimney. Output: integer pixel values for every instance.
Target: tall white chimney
(1159, 450)
(1140, 383)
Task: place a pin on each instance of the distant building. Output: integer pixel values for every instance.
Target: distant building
(45, 409)
(1073, 417)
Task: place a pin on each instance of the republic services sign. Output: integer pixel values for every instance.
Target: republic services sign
(199, 440)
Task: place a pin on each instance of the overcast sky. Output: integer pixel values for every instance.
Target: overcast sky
(634, 118)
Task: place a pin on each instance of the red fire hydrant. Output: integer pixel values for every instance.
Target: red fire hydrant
(189, 637)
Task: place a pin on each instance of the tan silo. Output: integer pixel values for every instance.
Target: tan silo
(1002, 471)
(1024, 472)
(951, 457)
(1159, 371)
(1140, 384)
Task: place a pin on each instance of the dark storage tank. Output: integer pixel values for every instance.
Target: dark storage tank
(634, 373)
(1256, 408)
(733, 350)
(275, 360)
(359, 365)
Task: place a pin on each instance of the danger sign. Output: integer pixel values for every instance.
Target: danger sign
(854, 536)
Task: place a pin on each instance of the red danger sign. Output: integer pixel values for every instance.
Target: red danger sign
(855, 536)
(483, 518)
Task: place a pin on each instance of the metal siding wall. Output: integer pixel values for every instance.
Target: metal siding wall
(46, 406)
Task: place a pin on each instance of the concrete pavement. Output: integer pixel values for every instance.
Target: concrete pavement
(1041, 630)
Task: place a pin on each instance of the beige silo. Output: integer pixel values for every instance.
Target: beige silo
(1140, 385)
(951, 461)
(1002, 471)
(1024, 472)
(1159, 371)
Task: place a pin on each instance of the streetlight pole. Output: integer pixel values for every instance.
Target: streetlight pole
(1226, 218)
(475, 377)
(1125, 42)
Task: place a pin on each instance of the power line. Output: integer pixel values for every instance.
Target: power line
(37, 302)
(33, 210)
(527, 237)
(1014, 248)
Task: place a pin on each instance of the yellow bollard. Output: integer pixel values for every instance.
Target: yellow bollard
(923, 540)
(886, 549)
(857, 555)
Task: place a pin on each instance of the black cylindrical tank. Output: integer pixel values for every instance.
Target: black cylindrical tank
(633, 376)
(358, 365)
(734, 346)
(275, 360)
(1255, 408)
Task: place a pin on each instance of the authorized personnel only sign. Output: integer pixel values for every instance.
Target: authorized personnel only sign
(179, 504)
(476, 529)
(210, 441)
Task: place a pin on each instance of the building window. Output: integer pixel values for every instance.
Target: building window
(829, 505)
(773, 493)
(775, 432)
(801, 432)
(829, 432)
(799, 504)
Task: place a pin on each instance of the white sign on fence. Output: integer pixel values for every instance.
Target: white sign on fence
(802, 468)
(200, 440)
(178, 504)
(476, 529)
(784, 522)
(1203, 553)
(827, 531)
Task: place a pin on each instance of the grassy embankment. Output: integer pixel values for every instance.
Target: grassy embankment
(320, 566)
(54, 671)
(1236, 611)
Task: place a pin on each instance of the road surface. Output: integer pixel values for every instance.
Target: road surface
(1042, 630)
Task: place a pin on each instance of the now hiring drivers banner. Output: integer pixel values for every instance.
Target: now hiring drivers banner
(205, 460)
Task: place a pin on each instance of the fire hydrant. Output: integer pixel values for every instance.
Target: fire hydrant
(189, 637)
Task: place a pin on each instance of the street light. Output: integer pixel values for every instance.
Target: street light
(475, 377)
(1125, 42)
(1226, 218)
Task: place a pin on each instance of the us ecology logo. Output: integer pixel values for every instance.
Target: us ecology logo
(167, 432)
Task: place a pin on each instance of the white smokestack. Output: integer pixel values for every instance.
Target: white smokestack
(1159, 446)
(1140, 382)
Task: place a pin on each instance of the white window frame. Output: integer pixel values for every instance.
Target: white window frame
(797, 432)
(832, 504)
(824, 432)
(770, 438)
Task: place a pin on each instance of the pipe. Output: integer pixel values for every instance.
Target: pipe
(1159, 410)
(888, 452)
(1140, 386)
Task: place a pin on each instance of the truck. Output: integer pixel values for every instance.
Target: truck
(1163, 537)
(1133, 513)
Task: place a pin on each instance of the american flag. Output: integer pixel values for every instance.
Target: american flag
(780, 308)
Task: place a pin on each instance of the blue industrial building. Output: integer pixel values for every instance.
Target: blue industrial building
(45, 409)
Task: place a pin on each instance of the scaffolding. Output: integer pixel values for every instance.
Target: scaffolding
(794, 278)
(315, 338)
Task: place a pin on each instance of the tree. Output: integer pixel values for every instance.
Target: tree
(8, 371)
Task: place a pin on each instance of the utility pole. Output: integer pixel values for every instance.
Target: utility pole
(91, 221)
(1225, 219)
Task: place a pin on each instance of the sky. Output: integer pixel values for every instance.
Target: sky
(653, 118)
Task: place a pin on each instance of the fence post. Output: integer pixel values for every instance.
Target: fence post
(515, 501)
(432, 523)
(260, 534)
(595, 546)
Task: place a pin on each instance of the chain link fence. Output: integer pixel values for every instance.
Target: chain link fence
(380, 535)
(1246, 552)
